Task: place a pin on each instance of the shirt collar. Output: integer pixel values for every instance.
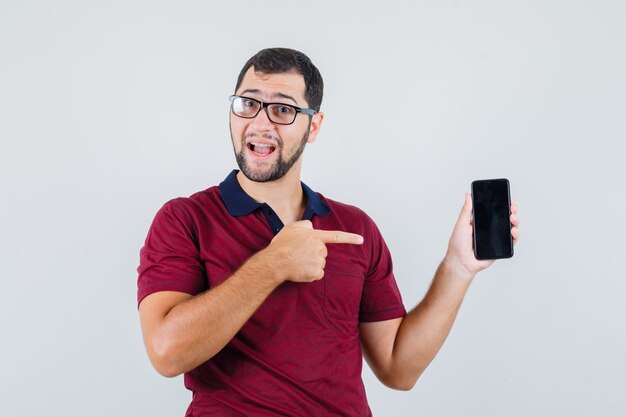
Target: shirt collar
(238, 203)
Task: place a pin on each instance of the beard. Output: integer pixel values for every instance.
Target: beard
(278, 169)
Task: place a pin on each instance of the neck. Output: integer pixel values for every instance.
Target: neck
(284, 196)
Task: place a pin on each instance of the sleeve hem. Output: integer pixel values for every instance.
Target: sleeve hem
(143, 293)
(383, 315)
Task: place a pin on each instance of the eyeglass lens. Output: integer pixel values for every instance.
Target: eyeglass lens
(277, 113)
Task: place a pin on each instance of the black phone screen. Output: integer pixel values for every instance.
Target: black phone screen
(492, 224)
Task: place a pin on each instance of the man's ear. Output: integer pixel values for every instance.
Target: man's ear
(316, 124)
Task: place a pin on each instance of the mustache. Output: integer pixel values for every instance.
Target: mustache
(263, 135)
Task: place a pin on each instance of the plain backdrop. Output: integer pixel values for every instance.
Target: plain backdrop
(110, 108)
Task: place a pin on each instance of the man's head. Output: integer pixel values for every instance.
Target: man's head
(280, 60)
(266, 150)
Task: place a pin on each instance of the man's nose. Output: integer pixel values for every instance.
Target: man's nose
(262, 121)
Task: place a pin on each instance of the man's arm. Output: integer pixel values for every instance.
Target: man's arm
(181, 331)
(399, 350)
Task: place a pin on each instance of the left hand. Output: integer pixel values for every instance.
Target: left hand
(460, 255)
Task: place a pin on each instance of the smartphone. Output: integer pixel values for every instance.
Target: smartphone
(492, 219)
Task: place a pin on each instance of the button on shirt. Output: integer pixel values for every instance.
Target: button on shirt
(299, 354)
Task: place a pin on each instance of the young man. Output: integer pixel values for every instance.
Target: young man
(265, 294)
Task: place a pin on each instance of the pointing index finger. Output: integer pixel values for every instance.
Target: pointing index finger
(337, 236)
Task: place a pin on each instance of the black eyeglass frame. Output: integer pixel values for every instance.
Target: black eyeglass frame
(263, 105)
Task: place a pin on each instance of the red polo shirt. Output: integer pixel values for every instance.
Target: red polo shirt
(299, 354)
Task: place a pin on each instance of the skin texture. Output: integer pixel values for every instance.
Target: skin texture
(182, 331)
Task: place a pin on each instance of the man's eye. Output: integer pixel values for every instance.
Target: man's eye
(249, 103)
(285, 109)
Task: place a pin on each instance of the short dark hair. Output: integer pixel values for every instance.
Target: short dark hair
(279, 60)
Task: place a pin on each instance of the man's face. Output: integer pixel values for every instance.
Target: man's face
(266, 151)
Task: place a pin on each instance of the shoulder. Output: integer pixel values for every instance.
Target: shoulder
(350, 216)
(189, 210)
(343, 209)
(201, 200)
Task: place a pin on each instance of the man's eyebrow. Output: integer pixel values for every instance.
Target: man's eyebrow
(279, 95)
(251, 90)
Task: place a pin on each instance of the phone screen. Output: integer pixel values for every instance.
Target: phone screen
(492, 224)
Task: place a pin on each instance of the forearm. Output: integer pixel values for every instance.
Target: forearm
(400, 350)
(424, 330)
(194, 331)
(181, 332)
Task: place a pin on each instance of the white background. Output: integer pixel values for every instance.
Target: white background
(108, 109)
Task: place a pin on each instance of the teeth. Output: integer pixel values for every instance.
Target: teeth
(262, 145)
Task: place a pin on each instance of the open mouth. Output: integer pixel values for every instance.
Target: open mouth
(261, 149)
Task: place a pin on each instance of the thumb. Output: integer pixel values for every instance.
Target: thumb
(465, 217)
(468, 203)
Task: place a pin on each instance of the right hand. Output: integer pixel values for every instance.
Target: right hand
(298, 252)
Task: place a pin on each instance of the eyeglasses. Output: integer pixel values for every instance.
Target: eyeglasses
(279, 113)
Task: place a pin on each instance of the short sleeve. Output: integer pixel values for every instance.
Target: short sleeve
(170, 259)
(381, 298)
